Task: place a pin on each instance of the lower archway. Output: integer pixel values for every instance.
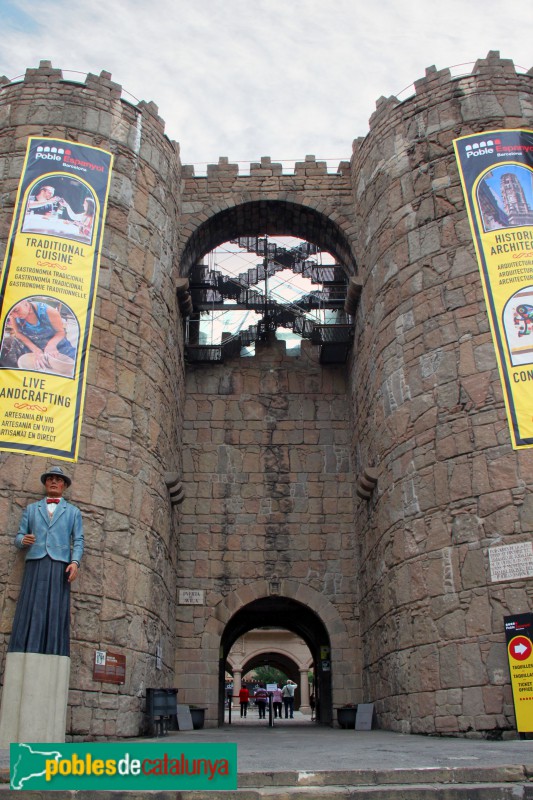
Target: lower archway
(271, 655)
(294, 616)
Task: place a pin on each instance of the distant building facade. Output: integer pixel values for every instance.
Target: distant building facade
(277, 648)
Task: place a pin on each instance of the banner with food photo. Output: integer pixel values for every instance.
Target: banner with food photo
(496, 169)
(48, 289)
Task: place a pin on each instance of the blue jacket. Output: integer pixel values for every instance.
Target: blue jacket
(61, 537)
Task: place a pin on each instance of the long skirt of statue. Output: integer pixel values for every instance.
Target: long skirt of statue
(36, 678)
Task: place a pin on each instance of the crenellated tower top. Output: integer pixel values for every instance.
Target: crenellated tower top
(492, 68)
(429, 90)
(100, 86)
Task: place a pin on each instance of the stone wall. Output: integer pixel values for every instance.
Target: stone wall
(429, 415)
(268, 480)
(271, 446)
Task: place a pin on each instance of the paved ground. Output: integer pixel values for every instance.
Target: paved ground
(301, 745)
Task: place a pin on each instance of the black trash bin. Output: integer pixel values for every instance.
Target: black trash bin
(161, 709)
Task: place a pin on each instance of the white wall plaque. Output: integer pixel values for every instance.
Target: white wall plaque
(364, 716)
(191, 597)
(511, 562)
(184, 718)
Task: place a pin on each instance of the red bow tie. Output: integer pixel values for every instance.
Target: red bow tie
(53, 499)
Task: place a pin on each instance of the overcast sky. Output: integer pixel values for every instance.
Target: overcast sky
(252, 78)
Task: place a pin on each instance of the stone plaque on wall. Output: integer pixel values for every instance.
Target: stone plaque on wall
(191, 597)
(511, 561)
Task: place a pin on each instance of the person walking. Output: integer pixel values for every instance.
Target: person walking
(288, 698)
(261, 699)
(277, 701)
(244, 699)
(312, 703)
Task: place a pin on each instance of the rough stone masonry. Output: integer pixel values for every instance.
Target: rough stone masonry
(393, 593)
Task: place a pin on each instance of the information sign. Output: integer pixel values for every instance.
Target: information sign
(109, 667)
(364, 716)
(184, 717)
(519, 638)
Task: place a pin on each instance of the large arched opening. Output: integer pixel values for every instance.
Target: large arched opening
(320, 314)
(275, 218)
(299, 619)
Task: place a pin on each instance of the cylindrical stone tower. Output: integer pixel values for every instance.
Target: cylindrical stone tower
(429, 416)
(124, 599)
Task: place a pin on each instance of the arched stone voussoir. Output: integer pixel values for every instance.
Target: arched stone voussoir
(250, 592)
(214, 626)
(310, 597)
(293, 590)
(310, 219)
(221, 612)
(233, 602)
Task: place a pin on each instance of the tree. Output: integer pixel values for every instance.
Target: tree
(268, 674)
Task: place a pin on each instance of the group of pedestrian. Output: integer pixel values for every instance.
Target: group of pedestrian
(280, 696)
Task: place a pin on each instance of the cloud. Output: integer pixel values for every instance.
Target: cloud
(246, 79)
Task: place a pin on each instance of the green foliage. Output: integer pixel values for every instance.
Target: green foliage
(268, 674)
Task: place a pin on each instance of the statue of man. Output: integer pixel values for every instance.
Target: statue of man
(51, 533)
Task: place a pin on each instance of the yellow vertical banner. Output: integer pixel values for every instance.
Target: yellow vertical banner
(496, 169)
(518, 634)
(48, 289)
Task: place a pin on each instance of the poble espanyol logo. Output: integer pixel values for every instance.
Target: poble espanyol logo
(63, 155)
(50, 153)
(31, 764)
(502, 147)
(482, 148)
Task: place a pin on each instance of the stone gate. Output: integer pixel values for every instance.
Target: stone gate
(392, 594)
